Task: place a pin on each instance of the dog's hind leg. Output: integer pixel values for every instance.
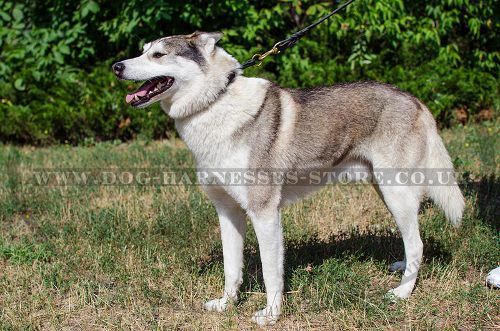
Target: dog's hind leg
(403, 203)
(398, 265)
(232, 221)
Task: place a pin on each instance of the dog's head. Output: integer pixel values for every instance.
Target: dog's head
(171, 68)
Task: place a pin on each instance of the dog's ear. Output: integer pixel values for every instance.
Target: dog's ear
(146, 47)
(207, 40)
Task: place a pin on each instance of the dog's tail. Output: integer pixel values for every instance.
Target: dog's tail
(446, 195)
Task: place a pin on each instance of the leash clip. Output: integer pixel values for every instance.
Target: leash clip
(260, 57)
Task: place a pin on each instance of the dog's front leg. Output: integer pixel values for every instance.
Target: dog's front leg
(232, 227)
(267, 225)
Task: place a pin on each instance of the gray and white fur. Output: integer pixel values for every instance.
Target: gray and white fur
(231, 121)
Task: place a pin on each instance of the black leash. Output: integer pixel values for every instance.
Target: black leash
(290, 41)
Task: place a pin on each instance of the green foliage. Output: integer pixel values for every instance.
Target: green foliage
(56, 85)
(26, 253)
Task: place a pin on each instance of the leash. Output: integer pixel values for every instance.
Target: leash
(290, 41)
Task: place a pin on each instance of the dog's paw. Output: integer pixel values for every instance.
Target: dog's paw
(218, 305)
(397, 294)
(398, 266)
(266, 316)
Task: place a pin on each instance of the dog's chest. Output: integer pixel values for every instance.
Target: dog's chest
(210, 139)
(209, 136)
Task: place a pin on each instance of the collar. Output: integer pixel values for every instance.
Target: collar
(230, 78)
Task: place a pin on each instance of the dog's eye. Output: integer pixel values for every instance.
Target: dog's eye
(157, 55)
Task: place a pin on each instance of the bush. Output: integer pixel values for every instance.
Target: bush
(57, 86)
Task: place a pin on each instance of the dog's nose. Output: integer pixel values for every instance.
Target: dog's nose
(118, 68)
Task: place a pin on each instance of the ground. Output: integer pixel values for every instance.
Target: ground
(147, 256)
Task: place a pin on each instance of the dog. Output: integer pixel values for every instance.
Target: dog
(230, 121)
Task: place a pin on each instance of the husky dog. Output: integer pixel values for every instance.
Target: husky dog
(230, 121)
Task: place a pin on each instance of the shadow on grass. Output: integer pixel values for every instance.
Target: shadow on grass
(487, 193)
(380, 246)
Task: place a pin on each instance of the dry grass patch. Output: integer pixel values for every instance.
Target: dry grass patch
(147, 257)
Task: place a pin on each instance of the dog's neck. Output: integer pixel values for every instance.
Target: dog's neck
(201, 93)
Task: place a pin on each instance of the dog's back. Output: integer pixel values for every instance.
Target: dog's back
(322, 126)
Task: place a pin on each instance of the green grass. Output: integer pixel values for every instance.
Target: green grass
(147, 257)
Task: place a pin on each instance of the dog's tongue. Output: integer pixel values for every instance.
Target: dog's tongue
(142, 91)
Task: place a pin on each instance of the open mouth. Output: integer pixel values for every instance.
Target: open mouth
(148, 90)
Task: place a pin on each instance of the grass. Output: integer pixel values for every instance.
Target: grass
(147, 257)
